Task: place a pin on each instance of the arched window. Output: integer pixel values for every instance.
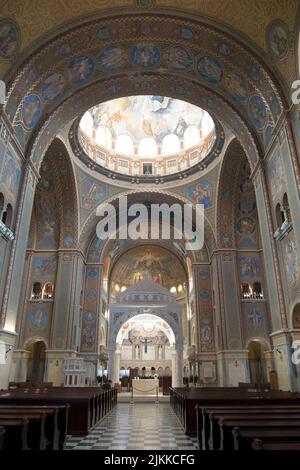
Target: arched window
(286, 208)
(147, 147)
(7, 216)
(191, 137)
(36, 290)
(257, 290)
(87, 124)
(170, 144)
(48, 290)
(246, 290)
(207, 125)
(124, 145)
(103, 137)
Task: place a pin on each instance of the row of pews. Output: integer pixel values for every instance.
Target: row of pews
(41, 418)
(233, 418)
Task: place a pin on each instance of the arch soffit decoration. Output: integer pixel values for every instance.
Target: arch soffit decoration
(89, 226)
(205, 79)
(64, 170)
(172, 319)
(229, 169)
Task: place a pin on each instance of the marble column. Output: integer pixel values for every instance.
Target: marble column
(111, 363)
(174, 368)
(117, 366)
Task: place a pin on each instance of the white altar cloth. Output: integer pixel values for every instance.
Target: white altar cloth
(145, 386)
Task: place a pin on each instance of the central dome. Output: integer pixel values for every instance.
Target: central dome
(146, 134)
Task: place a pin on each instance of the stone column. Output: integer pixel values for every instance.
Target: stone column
(179, 365)
(111, 363)
(117, 366)
(174, 368)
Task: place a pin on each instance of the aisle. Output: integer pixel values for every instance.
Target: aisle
(140, 426)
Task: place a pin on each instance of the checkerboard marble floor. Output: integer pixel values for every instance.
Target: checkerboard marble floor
(142, 426)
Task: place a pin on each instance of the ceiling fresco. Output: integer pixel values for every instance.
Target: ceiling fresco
(146, 116)
(147, 262)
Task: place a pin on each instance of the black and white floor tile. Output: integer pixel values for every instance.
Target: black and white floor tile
(142, 426)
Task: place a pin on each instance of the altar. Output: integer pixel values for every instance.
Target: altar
(145, 386)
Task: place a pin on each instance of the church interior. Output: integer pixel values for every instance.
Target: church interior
(155, 102)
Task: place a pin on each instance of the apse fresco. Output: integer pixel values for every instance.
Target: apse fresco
(148, 262)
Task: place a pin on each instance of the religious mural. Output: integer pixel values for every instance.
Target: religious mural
(9, 38)
(11, 173)
(37, 319)
(257, 112)
(44, 266)
(250, 266)
(246, 213)
(290, 257)
(278, 39)
(255, 320)
(209, 69)
(81, 69)
(92, 193)
(31, 111)
(145, 55)
(202, 193)
(52, 86)
(89, 318)
(205, 310)
(47, 209)
(111, 58)
(276, 177)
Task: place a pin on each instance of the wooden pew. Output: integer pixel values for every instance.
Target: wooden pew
(2, 432)
(184, 401)
(228, 440)
(16, 433)
(87, 404)
(266, 439)
(210, 438)
(55, 421)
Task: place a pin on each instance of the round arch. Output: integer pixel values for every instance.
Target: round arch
(130, 324)
(127, 73)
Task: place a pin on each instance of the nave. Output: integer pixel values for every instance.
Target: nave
(140, 427)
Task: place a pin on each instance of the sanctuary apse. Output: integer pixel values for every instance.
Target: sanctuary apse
(161, 104)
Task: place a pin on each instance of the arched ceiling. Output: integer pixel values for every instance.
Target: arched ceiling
(135, 54)
(250, 18)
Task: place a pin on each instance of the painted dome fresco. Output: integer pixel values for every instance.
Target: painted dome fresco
(146, 134)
